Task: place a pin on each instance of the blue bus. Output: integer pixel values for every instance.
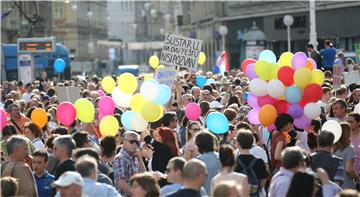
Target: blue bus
(42, 62)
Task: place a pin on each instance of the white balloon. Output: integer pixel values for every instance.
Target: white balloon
(120, 98)
(275, 88)
(138, 123)
(149, 90)
(333, 127)
(357, 108)
(258, 87)
(312, 110)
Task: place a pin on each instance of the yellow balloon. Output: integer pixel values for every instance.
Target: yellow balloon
(202, 58)
(302, 77)
(274, 71)
(154, 61)
(109, 126)
(149, 76)
(285, 59)
(137, 102)
(151, 112)
(108, 84)
(263, 69)
(85, 110)
(317, 76)
(127, 83)
(160, 66)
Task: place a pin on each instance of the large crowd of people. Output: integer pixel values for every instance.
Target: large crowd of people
(175, 156)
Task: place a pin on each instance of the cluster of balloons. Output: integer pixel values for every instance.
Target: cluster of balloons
(2, 119)
(201, 81)
(154, 62)
(290, 85)
(59, 65)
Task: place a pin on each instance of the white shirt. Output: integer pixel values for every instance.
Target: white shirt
(38, 144)
(302, 139)
(26, 96)
(257, 151)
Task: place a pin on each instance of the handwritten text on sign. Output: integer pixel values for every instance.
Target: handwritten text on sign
(180, 51)
(166, 76)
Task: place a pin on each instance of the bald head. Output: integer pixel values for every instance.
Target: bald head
(193, 169)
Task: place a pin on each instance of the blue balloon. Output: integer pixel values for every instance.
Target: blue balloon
(200, 81)
(210, 81)
(216, 70)
(164, 95)
(268, 56)
(59, 65)
(126, 119)
(293, 94)
(217, 123)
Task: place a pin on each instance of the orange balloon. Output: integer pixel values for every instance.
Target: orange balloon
(39, 117)
(309, 64)
(267, 115)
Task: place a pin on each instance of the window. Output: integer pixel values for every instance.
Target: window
(299, 22)
(59, 10)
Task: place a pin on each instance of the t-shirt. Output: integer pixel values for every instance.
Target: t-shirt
(68, 165)
(259, 167)
(185, 192)
(356, 143)
(328, 57)
(275, 139)
(346, 154)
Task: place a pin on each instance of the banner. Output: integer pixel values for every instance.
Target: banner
(70, 94)
(351, 77)
(166, 76)
(180, 51)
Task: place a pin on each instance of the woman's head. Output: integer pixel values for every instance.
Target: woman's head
(168, 138)
(108, 146)
(205, 142)
(31, 130)
(144, 185)
(226, 155)
(284, 122)
(354, 120)
(192, 128)
(302, 184)
(205, 107)
(344, 140)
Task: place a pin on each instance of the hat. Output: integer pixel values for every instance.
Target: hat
(68, 178)
(216, 105)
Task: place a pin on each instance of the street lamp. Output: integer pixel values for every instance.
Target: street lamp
(313, 35)
(223, 30)
(288, 21)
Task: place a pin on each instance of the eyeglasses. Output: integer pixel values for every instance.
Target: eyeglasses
(195, 129)
(134, 142)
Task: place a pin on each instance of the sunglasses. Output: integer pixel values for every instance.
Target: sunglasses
(134, 142)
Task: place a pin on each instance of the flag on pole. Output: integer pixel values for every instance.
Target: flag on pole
(223, 62)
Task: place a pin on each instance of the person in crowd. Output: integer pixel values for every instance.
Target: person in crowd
(324, 101)
(354, 121)
(354, 98)
(312, 53)
(14, 166)
(87, 167)
(341, 93)
(205, 107)
(194, 173)
(227, 159)
(42, 177)
(195, 92)
(144, 185)
(6, 133)
(69, 184)
(28, 92)
(346, 152)
(302, 184)
(81, 139)
(16, 118)
(190, 149)
(127, 163)
(328, 55)
(228, 189)
(9, 186)
(249, 165)
(63, 147)
(340, 60)
(107, 154)
(324, 158)
(49, 147)
(34, 133)
(205, 142)
(348, 193)
(170, 120)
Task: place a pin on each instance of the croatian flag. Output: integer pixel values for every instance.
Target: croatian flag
(222, 62)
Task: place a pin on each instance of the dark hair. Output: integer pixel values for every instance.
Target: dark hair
(309, 46)
(167, 118)
(205, 107)
(50, 140)
(51, 92)
(344, 140)
(205, 142)
(8, 130)
(243, 125)
(282, 120)
(325, 139)
(178, 163)
(312, 140)
(327, 42)
(233, 100)
(230, 114)
(302, 184)
(226, 156)
(245, 139)
(355, 115)
(108, 145)
(316, 123)
(41, 153)
(77, 153)
(147, 182)
(35, 130)
(60, 130)
(208, 87)
(9, 186)
(80, 138)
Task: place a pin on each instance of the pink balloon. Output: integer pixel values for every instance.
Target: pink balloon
(263, 100)
(253, 117)
(106, 105)
(303, 122)
(101, 116)
(250, 71)
(2, 119)
(101, 93)
(192, 111)
(252, 100)
(299, 60)
(66, 113)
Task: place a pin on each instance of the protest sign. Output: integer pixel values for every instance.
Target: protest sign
(70, 94)
(180, 51)
(166, 76)
(337, 75)
(351, 77)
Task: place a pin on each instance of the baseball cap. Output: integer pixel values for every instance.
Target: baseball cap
(68, 178)
(216, 105)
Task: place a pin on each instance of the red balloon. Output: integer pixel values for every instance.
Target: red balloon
(246, 62)
(312, 93)
(282, 106)
(286, 75)
(263, 100)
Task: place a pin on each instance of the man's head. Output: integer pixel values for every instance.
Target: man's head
(205, 95)
(63, 146)
(326, 94)
(8, 131)
(205, 142)
(14, 110)
(339, 108)
(169, 120)
(195, 172)
(87, 167)
(284, 122)
(195, 91)
(131, 141)
(325, 139)
(40, 161)
(327, 43)
(174, 169)
(293, 158)
(69, 184)
(29, 87)
(309, 47)
(245, 139)
(17, 147)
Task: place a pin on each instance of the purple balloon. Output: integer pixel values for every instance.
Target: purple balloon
(299, 60)
(250, 71)
(252, 101)
(313, 62)
(303, 122)
(253, 117)
(295, 110)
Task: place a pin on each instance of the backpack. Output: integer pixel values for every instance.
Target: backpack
(254, 182)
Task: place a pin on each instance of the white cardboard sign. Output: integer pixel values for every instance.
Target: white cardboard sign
(166, 76)
(351, 77)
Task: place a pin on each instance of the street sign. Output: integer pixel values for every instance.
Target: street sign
(36, 45)
(25, 68)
